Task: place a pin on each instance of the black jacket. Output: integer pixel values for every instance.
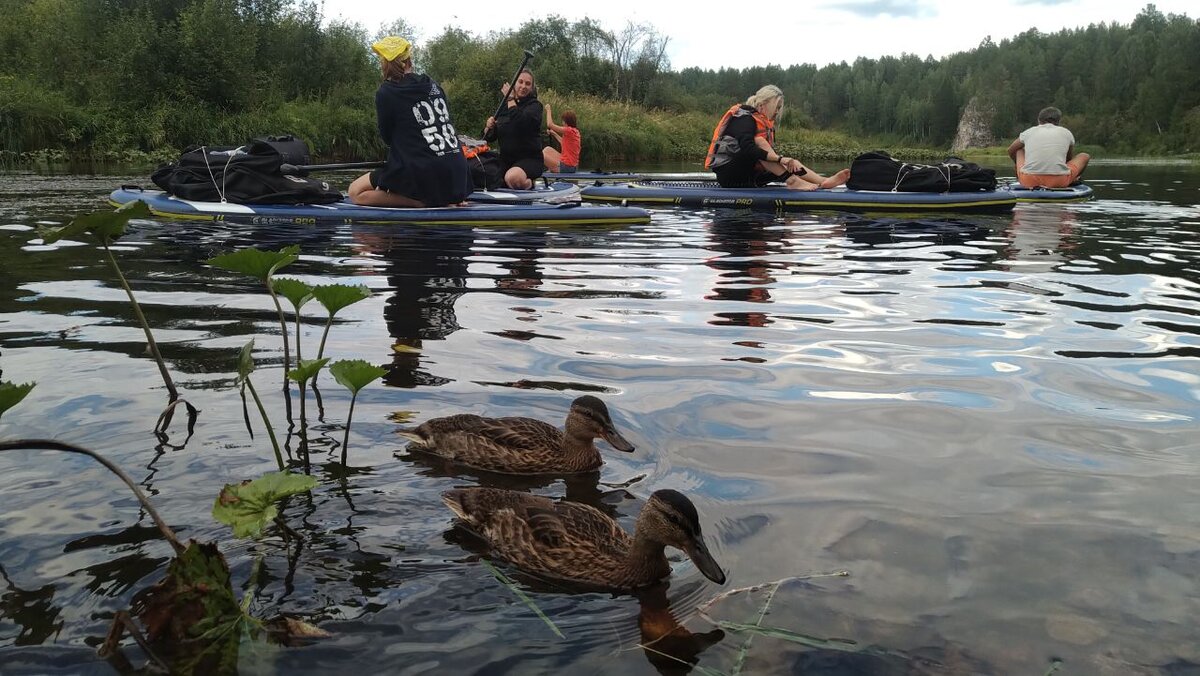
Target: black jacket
(424, 159)
(519, 131)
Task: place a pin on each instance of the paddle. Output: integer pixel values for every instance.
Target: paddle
(512, 85)
(303, 169)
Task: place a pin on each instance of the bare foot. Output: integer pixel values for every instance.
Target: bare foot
(837, 179)
(797, 183)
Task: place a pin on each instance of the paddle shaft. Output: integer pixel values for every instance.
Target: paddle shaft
(512, 84)
(303, 169)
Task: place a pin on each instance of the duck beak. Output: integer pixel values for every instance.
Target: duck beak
(612, 436)
(698, 552)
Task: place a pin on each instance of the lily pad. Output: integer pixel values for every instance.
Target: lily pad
(255, 262)
(11, 394)
(355, 374)
(248, 506)
(105, 226)
(337, 296)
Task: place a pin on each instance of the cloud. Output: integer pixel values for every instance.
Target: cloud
(896, 8)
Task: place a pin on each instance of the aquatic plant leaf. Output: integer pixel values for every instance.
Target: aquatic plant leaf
(840, 644)
(248, 506)
(337, 296)
(195, 593)
(256, 262)
(405, 349)
(296, 291)
(307, 369)
(402, 416)
(11, 394)
(105, 226)
(512, 586)
(355, 374)
(291, 631)
(245, 361)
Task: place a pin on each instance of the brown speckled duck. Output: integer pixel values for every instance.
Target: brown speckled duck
(579, 543)
(522, 445)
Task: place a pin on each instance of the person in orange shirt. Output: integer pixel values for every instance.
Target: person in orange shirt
(567, 135)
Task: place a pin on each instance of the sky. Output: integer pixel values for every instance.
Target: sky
(783, 33)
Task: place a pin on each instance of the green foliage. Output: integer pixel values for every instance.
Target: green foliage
(248, 506)
(105, 226)
(11, 394)
(296, 291)
(355, 374)
(306, 370)
(335, 297)
(255, 262)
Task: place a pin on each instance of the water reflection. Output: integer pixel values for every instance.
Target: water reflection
(744, 246)
(426, 274)
(1041, 237)
(669, 646)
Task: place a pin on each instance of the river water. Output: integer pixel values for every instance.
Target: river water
(987, 423)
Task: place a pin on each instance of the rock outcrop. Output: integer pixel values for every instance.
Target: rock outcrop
(974, 127)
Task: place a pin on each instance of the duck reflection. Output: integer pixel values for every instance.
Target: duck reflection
(744, 249)
(669, 646)
(427, 272)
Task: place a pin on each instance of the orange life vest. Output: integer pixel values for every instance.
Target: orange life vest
(764, 127)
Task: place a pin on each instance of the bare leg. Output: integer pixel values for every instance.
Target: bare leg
(1077, 165)
(363, 194)
(516, 179)
(811, 180)
(551, 158)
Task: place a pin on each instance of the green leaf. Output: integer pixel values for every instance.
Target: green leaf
(248, 506)
(337, 296)
(11, 394)
(245, 361)
(105, 226)
(355, 374)
(294, 290)
(307, 369)
(255, 262)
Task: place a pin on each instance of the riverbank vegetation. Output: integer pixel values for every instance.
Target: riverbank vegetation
(139, 80)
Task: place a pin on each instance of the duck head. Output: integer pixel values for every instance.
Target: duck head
(671, 519)
(589, 417)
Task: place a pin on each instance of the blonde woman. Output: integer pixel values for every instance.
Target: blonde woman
(425, 165)
(743, 155)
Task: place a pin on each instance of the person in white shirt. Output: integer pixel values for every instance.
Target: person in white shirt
(1045, 155)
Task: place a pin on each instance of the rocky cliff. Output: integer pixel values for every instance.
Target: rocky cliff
(974, 127)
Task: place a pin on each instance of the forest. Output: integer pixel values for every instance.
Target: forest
(129, 79)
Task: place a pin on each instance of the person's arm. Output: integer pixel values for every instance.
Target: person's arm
(550, 126)
(557, 136)
(384, 120)
(489, 130)
(528, 118)
(1019, 144)
(743, 129)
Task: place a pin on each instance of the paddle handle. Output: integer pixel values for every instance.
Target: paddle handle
(303, 169)
(512, 84)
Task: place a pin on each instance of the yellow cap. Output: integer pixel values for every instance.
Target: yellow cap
(392, 48)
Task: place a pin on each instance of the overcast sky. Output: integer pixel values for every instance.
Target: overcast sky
(781, 32)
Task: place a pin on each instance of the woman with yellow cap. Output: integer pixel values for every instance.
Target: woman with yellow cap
(425, 165)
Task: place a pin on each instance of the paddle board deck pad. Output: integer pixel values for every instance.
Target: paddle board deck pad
(779, 198)
(537, 213)
(1076, 193)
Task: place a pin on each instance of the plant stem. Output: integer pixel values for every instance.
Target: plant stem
(266, 423)
(51, 445)
(172, 393)
(349, 417)
(328, 323)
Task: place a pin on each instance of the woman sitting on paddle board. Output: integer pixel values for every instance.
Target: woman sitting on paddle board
(425, 167)
(567, 135)
(742, 152)
(518, 128)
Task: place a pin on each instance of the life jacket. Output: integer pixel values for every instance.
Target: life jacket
(472, 146)
(723, 148)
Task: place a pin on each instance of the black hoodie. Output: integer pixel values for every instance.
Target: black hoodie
(424, 160)
(519, 130)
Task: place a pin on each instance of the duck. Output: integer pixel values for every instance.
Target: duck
(517, 445)
(574, 542)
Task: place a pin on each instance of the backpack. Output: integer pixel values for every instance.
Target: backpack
(876, 170)
(248, 174)
(483, 162)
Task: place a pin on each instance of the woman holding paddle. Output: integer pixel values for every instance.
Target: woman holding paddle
(425, 166)
(743, 155)
(517, 125)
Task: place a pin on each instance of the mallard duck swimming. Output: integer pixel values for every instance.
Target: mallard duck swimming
(522, 445)
(579, 543)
